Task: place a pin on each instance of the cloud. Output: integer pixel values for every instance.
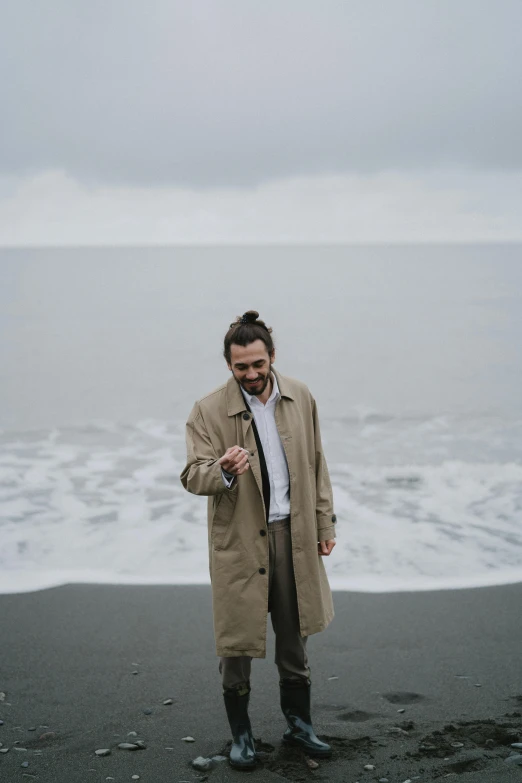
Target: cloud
(236, 94)
(430, 206)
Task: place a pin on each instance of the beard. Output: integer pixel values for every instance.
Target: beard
(256, 391)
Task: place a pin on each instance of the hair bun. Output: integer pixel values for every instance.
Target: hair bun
(250, 317)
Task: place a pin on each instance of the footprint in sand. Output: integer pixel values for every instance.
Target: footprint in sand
(404, 697)
(356, 716)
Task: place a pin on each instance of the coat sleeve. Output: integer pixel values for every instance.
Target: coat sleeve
(202, 474)
(324, 496)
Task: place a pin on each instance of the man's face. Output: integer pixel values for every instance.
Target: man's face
(251, 366)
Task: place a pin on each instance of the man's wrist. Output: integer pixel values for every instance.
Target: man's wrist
(228, 478)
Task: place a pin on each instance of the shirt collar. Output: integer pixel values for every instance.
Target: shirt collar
(274, 395)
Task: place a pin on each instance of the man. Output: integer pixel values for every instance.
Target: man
(254, 448)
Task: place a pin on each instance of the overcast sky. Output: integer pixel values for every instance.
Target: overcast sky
(128, 121)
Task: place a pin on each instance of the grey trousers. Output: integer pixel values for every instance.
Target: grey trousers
(290, 648)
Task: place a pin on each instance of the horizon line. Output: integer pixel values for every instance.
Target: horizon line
(261, 243)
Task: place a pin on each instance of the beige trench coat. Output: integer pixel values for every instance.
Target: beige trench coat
(237, 547)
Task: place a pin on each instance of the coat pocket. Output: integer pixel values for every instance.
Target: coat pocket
(222, 518)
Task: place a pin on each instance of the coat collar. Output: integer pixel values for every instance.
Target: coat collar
(236, 401)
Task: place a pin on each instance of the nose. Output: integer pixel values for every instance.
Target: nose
(251, 375)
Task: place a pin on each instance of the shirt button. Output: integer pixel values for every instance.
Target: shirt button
(262, 532)
(334, 518)
(246, 416)
(262, 570)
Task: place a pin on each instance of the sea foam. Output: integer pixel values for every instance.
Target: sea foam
(422, 503)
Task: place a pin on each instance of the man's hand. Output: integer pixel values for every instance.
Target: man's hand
(235, 460)
(325, 547)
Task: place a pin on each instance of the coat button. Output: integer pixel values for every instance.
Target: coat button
(262, 570)
(246, 416)
(334, 518)
(262, 532)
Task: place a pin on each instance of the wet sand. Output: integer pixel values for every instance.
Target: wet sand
(415, 684)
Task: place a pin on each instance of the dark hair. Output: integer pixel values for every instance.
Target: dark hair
(245, 330)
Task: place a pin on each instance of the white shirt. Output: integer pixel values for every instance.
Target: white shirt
(275, 458)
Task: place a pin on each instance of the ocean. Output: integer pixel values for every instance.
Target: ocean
(414, 354)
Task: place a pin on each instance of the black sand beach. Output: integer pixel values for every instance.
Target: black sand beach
(418, 685)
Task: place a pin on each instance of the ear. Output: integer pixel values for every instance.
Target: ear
(272, 356)
(229, 366)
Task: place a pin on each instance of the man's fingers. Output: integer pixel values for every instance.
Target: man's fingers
(229, 454)
(240, 460)
(224, 458)
(234, 460)
(325, 547)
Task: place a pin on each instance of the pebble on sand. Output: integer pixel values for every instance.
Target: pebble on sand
(103, 752)
(168, 701)
(203, 764)
(312, 764)
(369, 767)
(516, 759)
(128, 746)
(188, 739)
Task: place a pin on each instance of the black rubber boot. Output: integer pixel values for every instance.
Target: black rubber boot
(295, 703)
(242, 752)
